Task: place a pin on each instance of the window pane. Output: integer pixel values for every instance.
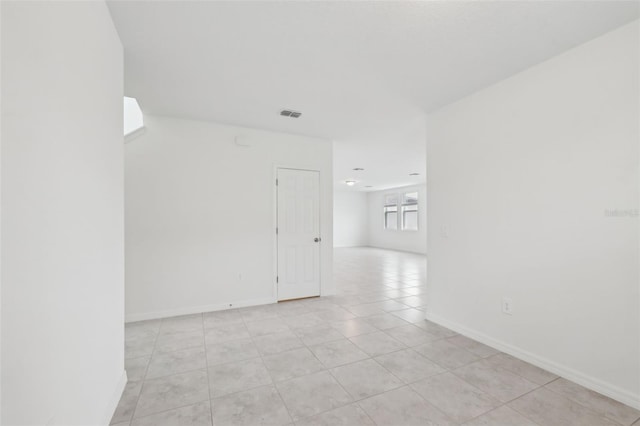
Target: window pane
(391, 220)
(409, 211)
(390, 211)
(391, 200)
(410, 220)
(410, 198)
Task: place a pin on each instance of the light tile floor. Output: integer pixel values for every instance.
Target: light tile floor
(363, 357)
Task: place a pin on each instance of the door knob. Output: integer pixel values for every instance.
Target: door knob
(317, 240)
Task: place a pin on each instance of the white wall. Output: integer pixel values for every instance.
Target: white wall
(522, 174)
(411, 241)
(62, 214)
(1, 119)
(201, 213)
(350, 219)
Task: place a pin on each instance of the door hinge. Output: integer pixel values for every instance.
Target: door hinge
(276, 182)
(276, 230)
(277, 280)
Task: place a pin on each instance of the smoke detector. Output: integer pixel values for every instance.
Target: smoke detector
(290, 113)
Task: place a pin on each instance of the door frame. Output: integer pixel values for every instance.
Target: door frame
(274, 197)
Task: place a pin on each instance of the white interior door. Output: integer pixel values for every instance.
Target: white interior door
(298, 233)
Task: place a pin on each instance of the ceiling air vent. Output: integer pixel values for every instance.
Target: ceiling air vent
(289, 113)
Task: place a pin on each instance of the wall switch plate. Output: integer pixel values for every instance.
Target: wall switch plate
(507, 306)
(444, 231)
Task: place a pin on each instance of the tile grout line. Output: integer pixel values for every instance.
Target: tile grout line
(602, 415)
(494, 409)
(261, 355)
(169, 409)
(206, 363)
(144, 378)
(402, 382)
(165, 376)
(328, 369)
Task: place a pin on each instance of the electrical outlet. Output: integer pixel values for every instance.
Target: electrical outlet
(507, 306)
(239, 276)
(444, 231)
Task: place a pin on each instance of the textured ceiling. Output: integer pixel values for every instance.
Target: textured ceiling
(362, 73)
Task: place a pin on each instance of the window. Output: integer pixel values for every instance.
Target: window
(409, 211)
(133, 119)
(391, 212)
(401, 211)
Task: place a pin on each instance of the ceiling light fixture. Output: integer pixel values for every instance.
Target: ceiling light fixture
(414, 174)
(358, 169)
(368, 186)
(290, 113)
(350, 182)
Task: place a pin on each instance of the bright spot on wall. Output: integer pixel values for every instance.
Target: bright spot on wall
(132, 116)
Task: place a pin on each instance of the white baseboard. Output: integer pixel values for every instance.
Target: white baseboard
(197, 309)
(614, 392)
(115, 398)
